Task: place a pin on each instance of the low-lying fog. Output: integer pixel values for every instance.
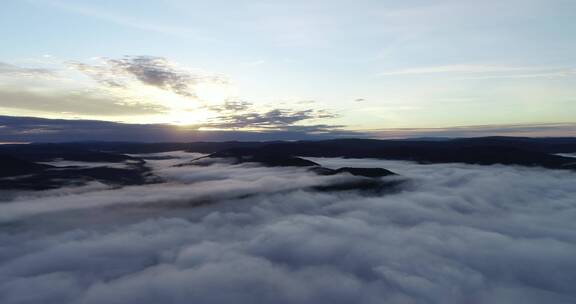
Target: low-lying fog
(249, 234)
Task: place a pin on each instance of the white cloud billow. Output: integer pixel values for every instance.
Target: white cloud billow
(248, 234)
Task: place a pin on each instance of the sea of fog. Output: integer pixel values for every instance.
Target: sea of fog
(249, 234)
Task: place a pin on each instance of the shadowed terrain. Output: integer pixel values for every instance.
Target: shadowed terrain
(30, 166)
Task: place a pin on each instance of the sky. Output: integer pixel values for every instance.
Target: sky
(378, 68)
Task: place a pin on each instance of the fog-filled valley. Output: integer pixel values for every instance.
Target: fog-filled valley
(214, 231)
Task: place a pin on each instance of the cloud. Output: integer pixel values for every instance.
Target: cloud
(57, 92)
(152, 89)
(500, 71)
(132, 86)
(552, 74)
(148, 70)
(151, 25)
(529, 130)
(239, 114)
(30, 129)
(276, 118)
(232, 106)
(160, 73)
(16, 71)
(80, 102)
(458, 233)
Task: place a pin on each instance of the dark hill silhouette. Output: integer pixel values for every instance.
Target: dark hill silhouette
(22, 173)
(55, 178)
(12, 166)
(470, 151)
(71, 152)
(20, 160)
(366, 172)
(248, 155)
(366, 180)
(243, 155)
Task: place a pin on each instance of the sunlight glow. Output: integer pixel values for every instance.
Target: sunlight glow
(180, 110)
(183, 118)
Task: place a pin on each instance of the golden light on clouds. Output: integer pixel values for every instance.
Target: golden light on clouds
(154, 90)
(179, 109)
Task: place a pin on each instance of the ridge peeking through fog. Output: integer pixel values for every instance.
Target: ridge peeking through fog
(244, 233)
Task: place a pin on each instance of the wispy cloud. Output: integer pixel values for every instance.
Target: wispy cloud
(553, 74)
(165, 75)
(494, 71)
(30, 129)
(148, 70)
(149, 25)
(535, 129)
(74, 103)
(151, 89)
(276, 118)
(10, 70)
(273, 127)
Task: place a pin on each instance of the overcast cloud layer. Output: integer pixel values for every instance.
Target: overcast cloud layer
(248, 234)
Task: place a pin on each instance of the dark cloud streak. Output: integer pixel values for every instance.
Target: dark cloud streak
(277, 118)
(29, 129)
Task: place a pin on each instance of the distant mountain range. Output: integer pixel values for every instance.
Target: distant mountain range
(23, 165)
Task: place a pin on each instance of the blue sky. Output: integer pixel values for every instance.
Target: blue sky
(354, 65)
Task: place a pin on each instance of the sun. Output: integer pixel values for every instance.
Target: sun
(185, 111)
(195, 108)
(214, 93)
(178, 109)
(184, 118)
